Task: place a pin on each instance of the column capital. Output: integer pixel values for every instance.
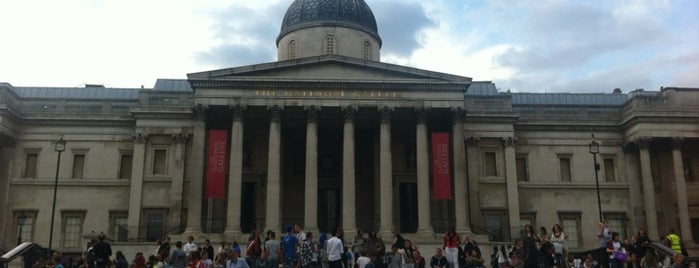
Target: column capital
(199, 112)
(642, 142)
(421, 115)
(238, 113)
(275, 113)
(386, 114)
(6, 141)
(139, 138)
(676, 142)
(349, 113)
(629, 147)
(473, 141)
(180, 137)
(509, 141)
(312, 113)
(457, 115)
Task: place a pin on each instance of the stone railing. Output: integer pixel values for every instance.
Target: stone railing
(165, 99)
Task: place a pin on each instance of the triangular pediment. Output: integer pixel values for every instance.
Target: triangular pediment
(329, 68)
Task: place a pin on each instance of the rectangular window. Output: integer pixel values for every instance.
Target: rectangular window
(617, 223)
(687, 166)
(522, 169)
(695, 229)
(72, 228)
(155, 224)
(491, 168)
(125, 166)
(25, 226)
(564, 166)
(609, 170)
(159, 162)
(571, 227)
(493, 225)
(30, 165)
(524, 219)
(78, 166)
(120, 229)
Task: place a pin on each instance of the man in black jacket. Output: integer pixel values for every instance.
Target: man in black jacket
(102, 251)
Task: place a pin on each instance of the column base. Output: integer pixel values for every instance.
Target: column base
(232, 234)
(386, 235)
(464, 231)
(426, 233)
(193, 231)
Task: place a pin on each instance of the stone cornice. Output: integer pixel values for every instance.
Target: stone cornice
(70, 122)
(329, 85)
(671, 119)
(507, 119)
(571, 185)
(66, 182)
(175, 116)
(564, 127)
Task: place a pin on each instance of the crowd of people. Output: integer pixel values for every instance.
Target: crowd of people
(298, 249)
(541, 250)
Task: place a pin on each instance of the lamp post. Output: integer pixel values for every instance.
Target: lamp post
(59, 147)
(594, 150)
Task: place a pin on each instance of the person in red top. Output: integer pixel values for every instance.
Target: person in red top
(451, 246)
(139, 261)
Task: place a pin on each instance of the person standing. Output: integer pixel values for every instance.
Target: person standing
(604, 235)
(289, 245)
(451, 246)
(558, 240)
(438, 261)
(272, 249)
(209, 248)
(531, 253)
(308, 249)
(190, 246)
(335, 249)
(235, 262)
(178, 258)
(103, 252)
(674, 241)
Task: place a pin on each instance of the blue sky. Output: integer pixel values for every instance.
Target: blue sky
(522, 46)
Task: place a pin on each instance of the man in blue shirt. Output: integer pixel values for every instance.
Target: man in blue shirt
(235, 262)
(289, 246)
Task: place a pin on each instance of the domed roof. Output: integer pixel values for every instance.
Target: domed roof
(354, 14)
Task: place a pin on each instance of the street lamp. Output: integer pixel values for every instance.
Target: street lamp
(59, 147)
(594, 150)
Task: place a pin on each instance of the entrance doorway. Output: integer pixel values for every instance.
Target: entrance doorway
(328, 209)
(408, 207)
(247, 207)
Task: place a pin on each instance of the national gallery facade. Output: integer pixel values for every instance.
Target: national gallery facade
(329, 136)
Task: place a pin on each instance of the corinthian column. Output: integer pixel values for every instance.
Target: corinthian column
(423, 176)
(512, 188)
(648, 189)
(349, 212)
(178, 157)
(136, 190)
(196, 183)
(385, 173)
(681, 186)
(273, 170)
(460, 193)
(311, 197)
(235, 176)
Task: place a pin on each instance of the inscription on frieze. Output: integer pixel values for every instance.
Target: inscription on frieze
(328, 94)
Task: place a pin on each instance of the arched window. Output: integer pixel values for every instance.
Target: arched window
(330, 44)
(366, 50)
(291, 50)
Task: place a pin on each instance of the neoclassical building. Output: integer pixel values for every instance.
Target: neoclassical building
(329, 136)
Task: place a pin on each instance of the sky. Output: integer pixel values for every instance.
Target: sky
(586, 46)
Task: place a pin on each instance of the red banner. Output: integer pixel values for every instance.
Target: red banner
(441, 175)
(216, 163)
